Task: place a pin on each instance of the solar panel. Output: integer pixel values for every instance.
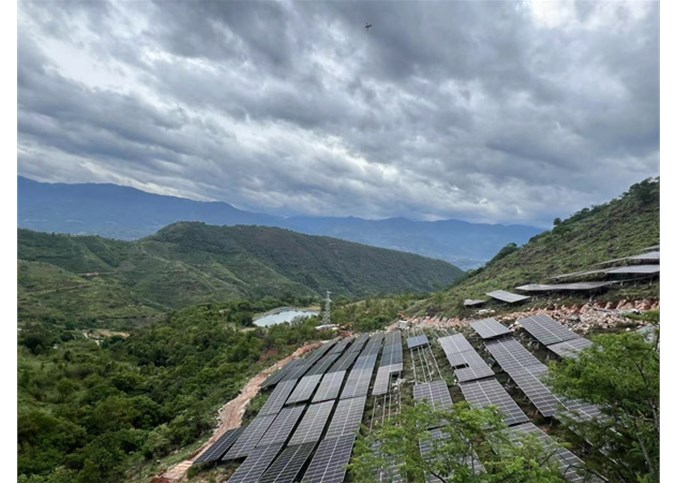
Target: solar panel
(250, 437)
(329, 462)
(579, 410)
(340, 347)
(303, 392)
(570, 348)
(469, 366)
(355, 385)
(256, 464)
(452, 344)
(504, 296)
(556, 287)
(416, 341)
(382, 383)
(220, 446)
(281, 373)
(347, 418)
(312, 425)
(528, 380)
(486, 392)
(277, 398)
(365, 361)
(358, 344)
(572, 468)
(345, 361)
(288, 464)
(435, 393)
(489, 328)
(323, 365)
(281, 428)
(546, 330)
(510, 354)
(330, 386)
(635, 269)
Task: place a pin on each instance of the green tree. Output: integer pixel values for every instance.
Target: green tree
(619, 373)
(466, 435)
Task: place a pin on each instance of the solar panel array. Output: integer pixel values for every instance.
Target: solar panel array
(250, 437)
(487, 392)
(546, 330)
(528, 380)
(345, 361)
(329, 463)
(435, 393)
(466, 362)
(359, 343)
(304, 390)
(330, 386)
(570, 348)
(489, 328)
(572, 468)
(347, 417)
(504, 296)
(312, 425)
(256, 464)
(283, 425)
(416, 341)
(510, 354)
(277, 398)
(341, 345)
(391, 362)
(358, 382)
(280, 374)
(453, 344)
(286, 467)
(323, 365)
(220, 446)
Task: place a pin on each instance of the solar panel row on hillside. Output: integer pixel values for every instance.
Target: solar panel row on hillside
(466, 362)
(286, 467)
(255, 464)
(347, 417)
(359, 343)
(546, 330)
(277, 398)
(283, 425)
(219, 447)
(570, 348)
(452, 344)
(329, 463)
(486, 392)
(357, 383)
(312, 425)
(323, 365)
(508, 297)
(330, 386)
(344, 362)
(489, 328)
(416, 341)
(510, 354)
(304, 390)
(280, 374)
(435, 393)
(250, 437)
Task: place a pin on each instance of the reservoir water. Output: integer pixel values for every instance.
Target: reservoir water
(282, 316)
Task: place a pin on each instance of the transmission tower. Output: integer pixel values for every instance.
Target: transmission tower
(327, 310)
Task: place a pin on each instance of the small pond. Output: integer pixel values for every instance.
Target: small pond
(283, 315)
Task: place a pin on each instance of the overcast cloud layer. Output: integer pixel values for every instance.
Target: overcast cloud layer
(507, 112)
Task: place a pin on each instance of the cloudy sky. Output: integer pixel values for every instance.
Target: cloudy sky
(509, 112)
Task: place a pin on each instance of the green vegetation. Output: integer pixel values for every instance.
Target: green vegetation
(621, 374)
(622, 227)
(90, 412)
(371, 313)
(85, 279)
(468, 433)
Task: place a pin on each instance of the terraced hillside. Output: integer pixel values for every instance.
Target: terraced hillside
(619, 228)
(188, 263)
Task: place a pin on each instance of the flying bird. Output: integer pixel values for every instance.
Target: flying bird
(368, 26)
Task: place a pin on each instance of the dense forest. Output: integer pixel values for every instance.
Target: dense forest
(104, 410)
(95, 279)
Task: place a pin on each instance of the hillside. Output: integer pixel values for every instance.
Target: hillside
(619, 228)
(186, 263)
(126, 213)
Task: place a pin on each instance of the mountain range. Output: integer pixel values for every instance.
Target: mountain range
(125, 213)
(93, 278)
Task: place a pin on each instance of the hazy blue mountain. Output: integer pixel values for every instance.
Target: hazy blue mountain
(126, 213)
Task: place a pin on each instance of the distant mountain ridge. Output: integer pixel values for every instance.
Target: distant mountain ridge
(188, 263)
(126, 213)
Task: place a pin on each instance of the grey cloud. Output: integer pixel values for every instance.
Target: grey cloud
(441, 109)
